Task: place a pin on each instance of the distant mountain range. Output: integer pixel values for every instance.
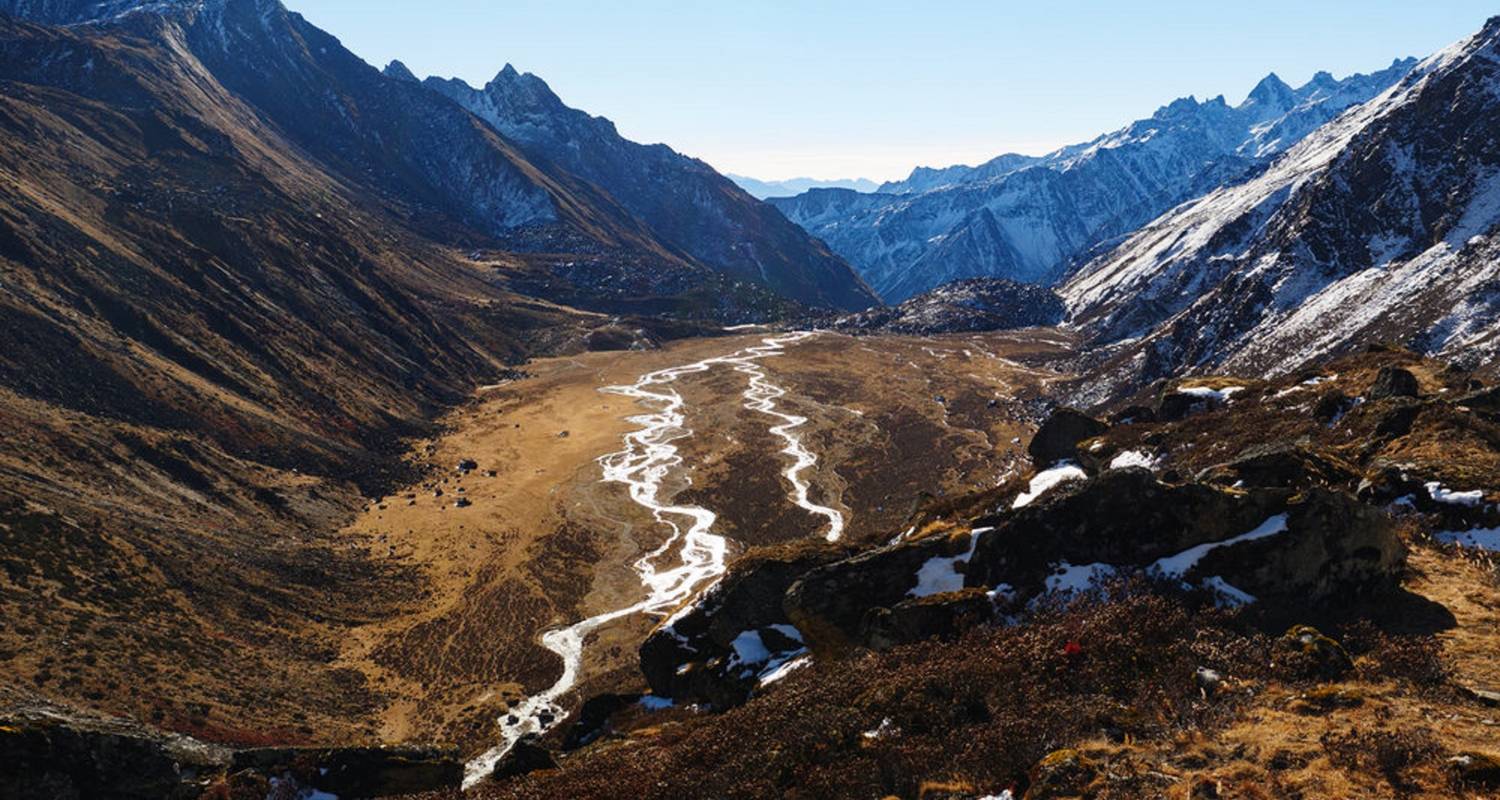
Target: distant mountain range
(1382, 226)
(795, 186)
(1029, 218)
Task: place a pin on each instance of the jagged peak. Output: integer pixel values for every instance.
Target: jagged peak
(1322, 78)
(1271, 90)
(399, 71)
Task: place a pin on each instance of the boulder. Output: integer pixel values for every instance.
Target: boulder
(714, 651)
(1484, 401)
(1280, 465)
(1133, 414)
(525, 756)
(1331, 406)
(1477, 769)
(844, 604)
(1393, 382)
(1324, 655)
(1058, 437)
(592, 719)
(1386, 483)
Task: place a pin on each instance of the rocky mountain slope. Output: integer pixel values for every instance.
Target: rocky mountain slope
(683, 201)
(229, 288)
(1028, 219)
(975, 304)
(1379, 226)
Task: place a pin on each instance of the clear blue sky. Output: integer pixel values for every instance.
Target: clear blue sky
(870, 88)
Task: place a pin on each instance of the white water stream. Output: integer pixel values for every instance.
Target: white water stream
(649, 456)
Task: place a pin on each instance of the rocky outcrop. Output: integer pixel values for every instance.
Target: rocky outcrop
(384, 771)
(716, 651)
(1240, 546)
(864, 599)
(50, 755)
(1393, 382)
(1058, 437)
(1280, 465)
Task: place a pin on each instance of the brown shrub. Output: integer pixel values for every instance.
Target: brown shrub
(1391, 753)
(982, 709)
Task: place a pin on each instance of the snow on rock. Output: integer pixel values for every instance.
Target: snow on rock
(1209, 393)
(1176, 566)
(1472, 499)
(1048, 479)
(1135, 458)
(1228, 595)
(1070, 578)
(940, 573)
(784, 667)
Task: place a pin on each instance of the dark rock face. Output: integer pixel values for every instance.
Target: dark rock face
(715, 651)
(868, 597)
(1281, 466)
(593, 716)
(360, 771)
(49, 756)
(1057, 439)
(524, 757)
(46, 758)
(1393, 382)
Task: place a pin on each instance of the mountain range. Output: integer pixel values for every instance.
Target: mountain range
(1029, 218)
(795, 186)
(1380, 226)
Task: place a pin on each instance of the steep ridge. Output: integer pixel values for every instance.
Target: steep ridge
(1379, 226)
(218, 327)
(1027, 218)
(683, 200)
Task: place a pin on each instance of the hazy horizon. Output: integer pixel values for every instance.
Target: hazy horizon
(843, 90)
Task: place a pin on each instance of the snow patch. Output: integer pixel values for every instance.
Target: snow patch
(1472, 499)
(1048, 479)
(1079, 578)
(940, 573)
(1135, 458)
(1477, 539)
(1179, 565)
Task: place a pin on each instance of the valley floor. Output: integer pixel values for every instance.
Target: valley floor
(543, 541)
